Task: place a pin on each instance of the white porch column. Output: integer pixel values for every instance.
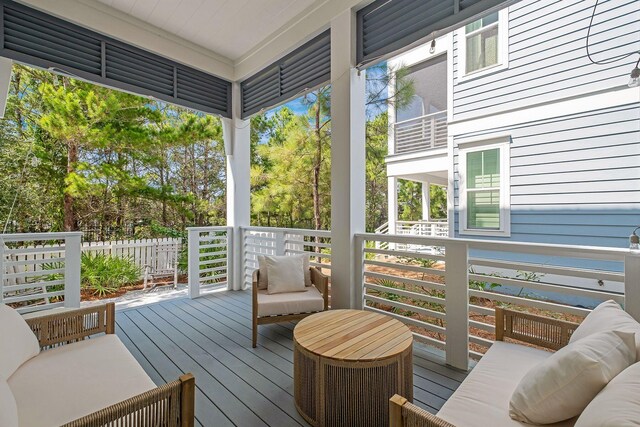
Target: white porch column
(426, 200)
(347, 159)
(392, 191)
(237, 142)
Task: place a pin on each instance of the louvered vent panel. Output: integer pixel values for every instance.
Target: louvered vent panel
(203, 89)
(30, 33)
(133, 68)
(387, 26)
(304, 68)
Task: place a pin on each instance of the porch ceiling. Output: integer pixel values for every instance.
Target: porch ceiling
(229, 28)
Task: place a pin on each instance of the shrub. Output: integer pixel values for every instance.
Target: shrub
(104, 274)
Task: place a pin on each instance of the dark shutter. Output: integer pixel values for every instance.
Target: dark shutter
(386, 26)
(305, 68)
(39, 39)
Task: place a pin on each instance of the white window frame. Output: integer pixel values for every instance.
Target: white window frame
(503, 49)
(502, 142)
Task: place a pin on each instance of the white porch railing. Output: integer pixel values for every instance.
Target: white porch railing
(284, 241)
(40, 270)
(448, 299)
(422, 133)
(210, 258)
(423, 228)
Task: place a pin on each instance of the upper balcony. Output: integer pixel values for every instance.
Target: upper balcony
(421, 133)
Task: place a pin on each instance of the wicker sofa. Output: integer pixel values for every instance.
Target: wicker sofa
(77, 381)
(483, 397)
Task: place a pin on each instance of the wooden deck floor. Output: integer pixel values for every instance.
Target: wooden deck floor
(236, 384)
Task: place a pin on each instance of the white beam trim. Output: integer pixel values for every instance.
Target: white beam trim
(237, 141)
(119, 25)
(347, 160)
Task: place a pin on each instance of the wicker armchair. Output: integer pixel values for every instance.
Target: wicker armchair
(169, 405)
(319, 280)
(541, 331)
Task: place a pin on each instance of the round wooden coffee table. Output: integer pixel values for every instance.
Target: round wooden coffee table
(347, 364)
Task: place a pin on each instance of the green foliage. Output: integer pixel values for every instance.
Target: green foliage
(80, 156)
(482, 285)
(104, 274)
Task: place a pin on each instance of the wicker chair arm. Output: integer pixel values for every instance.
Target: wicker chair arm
(402, 413)
(321, 282)
(73, 325)
(542, 331)
(169, 405)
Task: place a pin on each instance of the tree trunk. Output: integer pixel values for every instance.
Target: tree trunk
(316, 171)
(70, 222)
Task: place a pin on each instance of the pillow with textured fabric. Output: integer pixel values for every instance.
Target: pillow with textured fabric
(608, 316)
(562, 386)
(285, 274)
(8, 407)
(17, 342)
(617, 405)
(263, 277)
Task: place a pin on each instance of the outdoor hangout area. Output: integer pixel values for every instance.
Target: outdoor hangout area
(345, 213)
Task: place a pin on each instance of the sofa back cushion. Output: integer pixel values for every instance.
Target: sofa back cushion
(617, 404)
(608, 316)
(17, 342)
(8, 408)
(563, 385)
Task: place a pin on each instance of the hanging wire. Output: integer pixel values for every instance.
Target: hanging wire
(606, 61)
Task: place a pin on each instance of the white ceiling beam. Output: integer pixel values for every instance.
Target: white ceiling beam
(101, 18)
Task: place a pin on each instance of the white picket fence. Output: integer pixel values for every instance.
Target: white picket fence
(142, 252)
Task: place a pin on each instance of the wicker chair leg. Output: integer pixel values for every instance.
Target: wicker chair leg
(187, 400)
(255, 333)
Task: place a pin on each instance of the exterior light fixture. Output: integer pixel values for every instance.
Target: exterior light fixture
(634, 240)
(634, 80)
(432, 48)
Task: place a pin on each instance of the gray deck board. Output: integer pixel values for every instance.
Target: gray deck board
(236, 384)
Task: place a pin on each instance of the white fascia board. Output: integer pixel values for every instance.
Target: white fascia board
(419, 164)
(421, 53)
(114, 23)
(613, 97)
(296, 32)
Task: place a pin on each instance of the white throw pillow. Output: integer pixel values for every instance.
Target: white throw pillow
(617, 405)
(263, 277)
(285, 274)
(561, 387)
(17, 342)
(8, 407)
(608, 316)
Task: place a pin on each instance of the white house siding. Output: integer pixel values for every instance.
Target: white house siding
(547, 57)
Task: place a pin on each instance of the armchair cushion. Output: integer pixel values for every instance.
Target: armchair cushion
(289, 303)
(286, 274)
(8, 408)
(263, 277)
(608, 316)
(74, 380)
(17, 341)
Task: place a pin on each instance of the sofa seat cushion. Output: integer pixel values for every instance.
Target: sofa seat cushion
(483, 398)
(17, 341)
(8, 407)
(289, 303)
(74, 380)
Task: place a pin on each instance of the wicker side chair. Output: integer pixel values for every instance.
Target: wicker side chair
(319, 280)
(169, 405)
(552, 334)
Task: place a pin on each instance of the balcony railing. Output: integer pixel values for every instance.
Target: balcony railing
(210, 258)
(420, 134)
(447, 296)
(40, 271)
